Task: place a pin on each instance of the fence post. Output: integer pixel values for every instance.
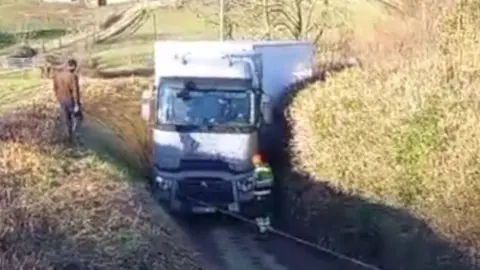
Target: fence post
(154, 25)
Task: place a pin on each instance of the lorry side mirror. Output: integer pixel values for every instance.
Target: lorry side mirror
(146, 108)
(266, 108)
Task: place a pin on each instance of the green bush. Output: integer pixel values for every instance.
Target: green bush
(7, 39)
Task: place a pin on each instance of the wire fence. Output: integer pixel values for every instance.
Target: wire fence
(19, 63)
(11, 63)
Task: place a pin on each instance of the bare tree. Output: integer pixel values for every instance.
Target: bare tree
(293, 19)
(266, 19)
(299, 19)
(209, 12)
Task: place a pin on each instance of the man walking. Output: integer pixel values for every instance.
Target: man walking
(67, 92)
(263, 183)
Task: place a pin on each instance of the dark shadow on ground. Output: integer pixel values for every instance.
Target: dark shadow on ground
(386, 237)
(106, 144)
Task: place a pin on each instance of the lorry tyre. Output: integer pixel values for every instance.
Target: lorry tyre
(154, 189)
(167, 203)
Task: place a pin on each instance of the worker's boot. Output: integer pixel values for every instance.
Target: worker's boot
(76, 138)
(69, 139)
(267, 222)
(262, 229)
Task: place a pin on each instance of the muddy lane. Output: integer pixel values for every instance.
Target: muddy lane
(230, 244)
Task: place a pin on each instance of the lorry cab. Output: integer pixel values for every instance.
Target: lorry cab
(211, 114)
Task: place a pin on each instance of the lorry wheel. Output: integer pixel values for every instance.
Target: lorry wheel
(154, 189)
(156, 193)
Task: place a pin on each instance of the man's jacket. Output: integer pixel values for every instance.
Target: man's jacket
(263, 178)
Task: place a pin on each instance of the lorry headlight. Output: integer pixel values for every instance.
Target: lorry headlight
(163, 183)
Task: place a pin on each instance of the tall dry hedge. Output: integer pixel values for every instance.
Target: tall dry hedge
(407, 138)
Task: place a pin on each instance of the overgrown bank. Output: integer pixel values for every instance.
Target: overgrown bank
(68, 208)
(396, 150)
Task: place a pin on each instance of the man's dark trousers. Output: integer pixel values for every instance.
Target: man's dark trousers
(71, 119)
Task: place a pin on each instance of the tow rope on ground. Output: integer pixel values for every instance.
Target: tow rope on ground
(291, 237)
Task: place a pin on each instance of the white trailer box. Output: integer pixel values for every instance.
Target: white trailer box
(284, 63)
(281, 62)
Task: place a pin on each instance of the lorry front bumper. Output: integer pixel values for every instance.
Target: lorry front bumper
(201, 194)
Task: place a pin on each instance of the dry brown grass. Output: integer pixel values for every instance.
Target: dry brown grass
(68, 208)
(115, 104)
(403, 133)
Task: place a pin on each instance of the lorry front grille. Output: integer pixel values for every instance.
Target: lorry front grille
(208, 190)
(202, 165)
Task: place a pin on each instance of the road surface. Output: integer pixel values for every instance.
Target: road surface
(230, 244)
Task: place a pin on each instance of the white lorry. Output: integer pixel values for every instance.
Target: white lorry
(213, 110)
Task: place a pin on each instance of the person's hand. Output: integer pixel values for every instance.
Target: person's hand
(76, 108)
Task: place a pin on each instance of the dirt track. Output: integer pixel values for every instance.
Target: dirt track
(231, 245)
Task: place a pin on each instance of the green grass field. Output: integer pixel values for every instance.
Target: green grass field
(134, 50)
(137, 49)
(27, 21)
(20, 87)
(21, 21)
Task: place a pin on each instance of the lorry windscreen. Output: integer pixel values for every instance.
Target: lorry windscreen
(206, 107)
